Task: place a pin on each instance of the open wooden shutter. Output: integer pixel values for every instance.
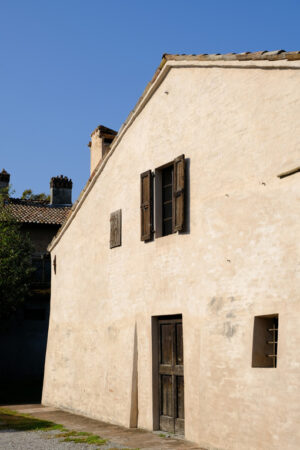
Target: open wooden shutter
(146, 205)
(178, 193)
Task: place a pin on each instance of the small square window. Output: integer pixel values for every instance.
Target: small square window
(265, 341)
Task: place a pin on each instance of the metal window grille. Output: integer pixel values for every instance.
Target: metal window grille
(273, 340)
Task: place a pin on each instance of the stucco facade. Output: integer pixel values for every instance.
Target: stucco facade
(237, 122)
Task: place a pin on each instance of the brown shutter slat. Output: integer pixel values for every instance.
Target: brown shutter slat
(146, 205)
(115, 228)
(178, 193)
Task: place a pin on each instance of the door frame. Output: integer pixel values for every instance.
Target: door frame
(155, 365)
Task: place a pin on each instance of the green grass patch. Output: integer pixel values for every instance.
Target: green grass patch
(81, 437)
(91, 439)
(74, 433)
(23, 422)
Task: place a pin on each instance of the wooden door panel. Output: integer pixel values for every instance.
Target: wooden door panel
(166, 369)
(180, 397)
(171, 380)
(166, 395)
(166, 351)
(179, 416)
(179, 344)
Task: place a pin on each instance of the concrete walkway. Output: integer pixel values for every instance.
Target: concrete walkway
(129, 438)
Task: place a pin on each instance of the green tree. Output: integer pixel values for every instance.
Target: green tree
(15, 261)
(29, 195)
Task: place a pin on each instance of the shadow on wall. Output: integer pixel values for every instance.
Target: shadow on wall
(134, 412)
(23, 340)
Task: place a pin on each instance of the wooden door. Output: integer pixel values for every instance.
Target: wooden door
(170, 375)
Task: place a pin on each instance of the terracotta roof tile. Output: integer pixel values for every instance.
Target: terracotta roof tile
(245, 56)
(28, 211)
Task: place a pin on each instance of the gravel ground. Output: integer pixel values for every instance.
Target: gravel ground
(42, 440)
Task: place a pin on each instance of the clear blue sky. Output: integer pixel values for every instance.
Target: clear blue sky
(69, 65)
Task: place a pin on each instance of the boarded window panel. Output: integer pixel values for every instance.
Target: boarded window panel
(178, 192)
(146, 205)
(115, 228)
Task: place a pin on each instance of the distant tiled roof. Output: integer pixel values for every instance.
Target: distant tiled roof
(28, 211)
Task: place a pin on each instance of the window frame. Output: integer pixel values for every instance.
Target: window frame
(265, 341)
(158, 199)
(154, 225)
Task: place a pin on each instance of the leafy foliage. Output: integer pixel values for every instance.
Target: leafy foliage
(15, 262)
(29, 195)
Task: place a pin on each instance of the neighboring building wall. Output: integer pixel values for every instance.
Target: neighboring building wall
(236, 123)
(23, 342)
(23, 338)
(40, 235)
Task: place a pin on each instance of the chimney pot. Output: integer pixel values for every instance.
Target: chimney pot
(101, 139)
(4, 179)
(61, 190)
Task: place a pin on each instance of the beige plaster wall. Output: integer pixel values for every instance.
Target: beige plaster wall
(238, 124)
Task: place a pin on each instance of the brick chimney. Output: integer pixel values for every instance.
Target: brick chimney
(101, 138)
(60, 191)
(4, 179)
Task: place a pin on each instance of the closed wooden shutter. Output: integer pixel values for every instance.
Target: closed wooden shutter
(178, 193)
(115, 228)
(146, 205)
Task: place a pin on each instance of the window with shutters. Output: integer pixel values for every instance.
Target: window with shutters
(162, 199)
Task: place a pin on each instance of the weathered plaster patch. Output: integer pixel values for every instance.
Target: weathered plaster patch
(229, 329)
